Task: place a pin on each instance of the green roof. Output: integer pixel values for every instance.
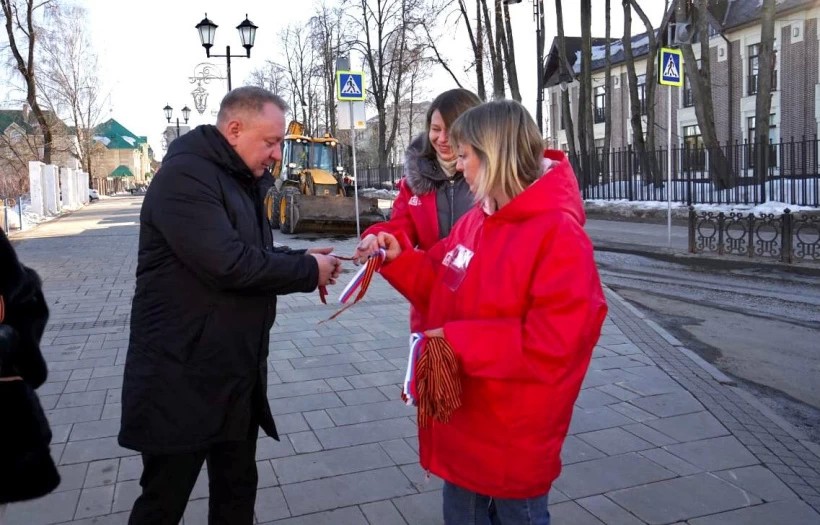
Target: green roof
(13, 116)
(121, 171)
(114, 135)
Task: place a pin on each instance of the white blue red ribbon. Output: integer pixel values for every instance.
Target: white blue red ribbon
(409, 392)
(358, 279)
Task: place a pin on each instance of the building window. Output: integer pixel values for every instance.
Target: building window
(772, 137)
(642, 93)
(600, 104)
(693, 154)
(754, 69)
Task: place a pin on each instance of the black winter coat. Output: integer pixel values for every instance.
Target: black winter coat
(205, 301)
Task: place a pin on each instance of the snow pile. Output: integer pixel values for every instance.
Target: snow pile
(379, 193)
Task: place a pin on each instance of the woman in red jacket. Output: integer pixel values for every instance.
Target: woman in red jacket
(515, 293)
(432, 194)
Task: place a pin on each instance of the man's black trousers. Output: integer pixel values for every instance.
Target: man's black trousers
(167, 481)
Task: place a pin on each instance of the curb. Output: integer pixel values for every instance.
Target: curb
(663, 253)
(787, 427)
(720, 377)
(709, 368)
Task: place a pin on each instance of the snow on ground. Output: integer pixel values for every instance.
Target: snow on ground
(623, 206)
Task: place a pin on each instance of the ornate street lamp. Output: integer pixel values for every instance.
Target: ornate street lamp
(169, 111)
(247, 35)
(538, 16)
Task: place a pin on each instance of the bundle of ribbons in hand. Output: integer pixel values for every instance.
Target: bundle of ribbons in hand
(432, 382)
(360, 281)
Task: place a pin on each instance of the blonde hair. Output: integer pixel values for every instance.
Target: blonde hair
(507, 142)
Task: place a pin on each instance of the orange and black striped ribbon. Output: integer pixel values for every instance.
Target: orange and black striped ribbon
(437, 382)
(373, 265)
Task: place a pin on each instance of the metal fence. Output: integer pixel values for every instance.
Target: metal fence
(792, 175)
(373, 177)
(789, 237)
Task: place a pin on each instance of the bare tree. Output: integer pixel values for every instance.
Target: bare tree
(327, 34)
(301, 61)
(69, 84)
(494, 45)
(763, 100)
(607, 88)
(22, 36)
(565, 75)
(273, 77)
(653, 173)
(586, 137)
(700, 80)
(637, 106)
(509, 56)
(385, 28)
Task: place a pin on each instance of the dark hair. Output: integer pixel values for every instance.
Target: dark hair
(247, 99)
(450, 104)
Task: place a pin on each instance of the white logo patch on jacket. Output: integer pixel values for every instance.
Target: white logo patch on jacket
(414, 201)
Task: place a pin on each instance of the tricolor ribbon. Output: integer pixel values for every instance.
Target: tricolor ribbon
(360, 282)
(409, 394)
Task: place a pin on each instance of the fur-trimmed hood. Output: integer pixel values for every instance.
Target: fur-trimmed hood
(422, 174)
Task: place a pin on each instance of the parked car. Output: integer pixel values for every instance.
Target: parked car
(93, 195)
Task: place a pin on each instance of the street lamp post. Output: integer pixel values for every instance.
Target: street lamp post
(169, 111)
(538, 16)
(247, 34)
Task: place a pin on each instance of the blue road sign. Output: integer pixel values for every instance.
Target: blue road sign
(349, 85)
(670, 67)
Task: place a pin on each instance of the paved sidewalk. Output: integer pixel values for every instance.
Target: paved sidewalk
(656, 437)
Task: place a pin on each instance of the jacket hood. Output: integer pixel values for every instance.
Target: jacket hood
(207, 142)
(555, 190)
(421, 173)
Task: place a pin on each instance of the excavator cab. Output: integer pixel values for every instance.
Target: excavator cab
(309, 192)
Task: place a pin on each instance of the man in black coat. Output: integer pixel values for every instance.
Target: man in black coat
(195, 380)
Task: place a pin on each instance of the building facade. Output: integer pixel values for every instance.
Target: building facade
(734, 59)
(125, 161)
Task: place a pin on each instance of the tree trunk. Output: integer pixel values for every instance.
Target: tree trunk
(566, 111)
(479, 51)
(512, 71)
(26, 65)
(763, 100)
(607, 93)
(495, 58)
(585, 113)
(634, 101)
(654, 174)
(700, 80)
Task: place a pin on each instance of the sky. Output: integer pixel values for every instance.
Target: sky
(148, 50)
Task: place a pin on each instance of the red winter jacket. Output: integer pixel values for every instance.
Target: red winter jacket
(519, 297)
(415, 211)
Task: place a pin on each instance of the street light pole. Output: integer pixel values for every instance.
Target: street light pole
(247, 34)
(169, 111)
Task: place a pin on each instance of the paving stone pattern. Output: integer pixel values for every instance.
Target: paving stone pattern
(655, 439)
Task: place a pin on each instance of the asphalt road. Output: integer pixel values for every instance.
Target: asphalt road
(759, 326)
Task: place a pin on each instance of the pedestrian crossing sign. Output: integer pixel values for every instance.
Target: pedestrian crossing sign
(349, 85)
(670, 67)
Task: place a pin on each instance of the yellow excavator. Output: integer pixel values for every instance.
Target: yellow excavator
(309, 193)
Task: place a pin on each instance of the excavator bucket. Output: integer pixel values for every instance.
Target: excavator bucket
(310, 213)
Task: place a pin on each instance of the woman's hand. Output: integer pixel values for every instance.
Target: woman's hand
(366, 247)
(390, 244)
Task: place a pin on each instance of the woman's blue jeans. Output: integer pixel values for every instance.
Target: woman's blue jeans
(464, 507)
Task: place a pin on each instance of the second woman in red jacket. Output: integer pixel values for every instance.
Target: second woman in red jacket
(433, 194)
